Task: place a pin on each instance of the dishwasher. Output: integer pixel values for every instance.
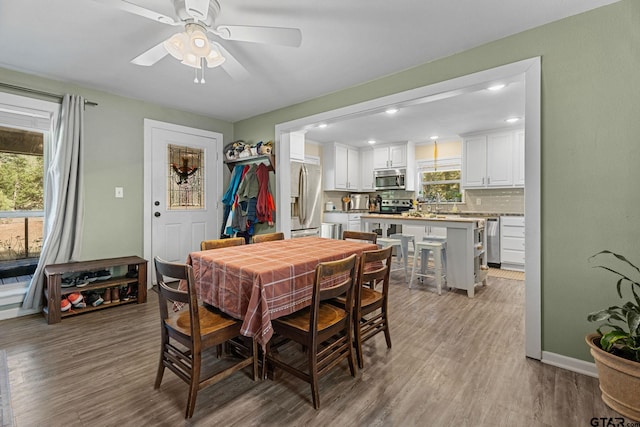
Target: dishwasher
(493, 242)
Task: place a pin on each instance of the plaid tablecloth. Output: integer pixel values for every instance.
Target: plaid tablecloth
(260, 282)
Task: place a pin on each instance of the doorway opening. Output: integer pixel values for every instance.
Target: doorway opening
(529, 69)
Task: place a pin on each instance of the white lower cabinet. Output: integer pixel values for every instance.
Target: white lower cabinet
(512, 249)
(349, 221)
(420, 232)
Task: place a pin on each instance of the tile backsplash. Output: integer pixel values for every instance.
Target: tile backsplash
(499, 200)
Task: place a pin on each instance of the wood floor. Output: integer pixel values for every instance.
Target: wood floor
(455, 361)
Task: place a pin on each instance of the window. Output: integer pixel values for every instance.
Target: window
(25, 127)
(21, 193)
(440, 181)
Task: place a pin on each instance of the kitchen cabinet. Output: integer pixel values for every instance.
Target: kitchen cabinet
(296, 146)
(349, 221)
(367, 182)
(488, 160)
(512, 243)
(341, 167)
(425, 231)
(390, 156)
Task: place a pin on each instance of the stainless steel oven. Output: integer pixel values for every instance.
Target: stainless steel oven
(390, 179)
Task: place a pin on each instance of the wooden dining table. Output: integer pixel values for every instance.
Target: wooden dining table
(260, 282)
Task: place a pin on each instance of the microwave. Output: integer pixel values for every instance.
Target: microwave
(390, 179)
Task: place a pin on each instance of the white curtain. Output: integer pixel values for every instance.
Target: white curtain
(64, 189)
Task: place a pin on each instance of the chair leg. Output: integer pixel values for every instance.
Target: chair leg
(194, 384)
(313, 377)
(254, 353)
(358, 342)
(160, 372)
(387, 334)
(415, 267)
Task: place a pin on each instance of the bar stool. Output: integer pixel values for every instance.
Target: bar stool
(385, 242)
(437, 250)
(404, 241)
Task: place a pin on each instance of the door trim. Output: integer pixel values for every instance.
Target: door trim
(531, 69)
(149, 125)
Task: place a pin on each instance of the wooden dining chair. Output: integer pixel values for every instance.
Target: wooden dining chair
(196, 329)
(259, 238)
(323, 329)
(374, 269)
(205, 245)
(360, 235)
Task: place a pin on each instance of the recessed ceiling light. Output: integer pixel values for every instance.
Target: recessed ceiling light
(322, 125)
(434, 137)
(496, 87)
(391, 110)
(512, 119)
(371, 141)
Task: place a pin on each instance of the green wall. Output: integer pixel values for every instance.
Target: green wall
(114, 133)
(590, 150)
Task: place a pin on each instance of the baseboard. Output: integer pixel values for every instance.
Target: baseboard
(12, 313)
(570, 364)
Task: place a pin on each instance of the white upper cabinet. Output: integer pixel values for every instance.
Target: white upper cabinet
(492, 160)
(296, 146)
(390, 156)
(366, 170)
(500, 159)
(341, 167)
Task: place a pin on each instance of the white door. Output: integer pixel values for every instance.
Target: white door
(184, 177)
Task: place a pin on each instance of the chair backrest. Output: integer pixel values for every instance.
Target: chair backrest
(205, 245)
(259, 238)
(360, 235)
(333, 279)
(168, 294)
(375, 267)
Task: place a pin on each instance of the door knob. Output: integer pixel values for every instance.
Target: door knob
(157, 214)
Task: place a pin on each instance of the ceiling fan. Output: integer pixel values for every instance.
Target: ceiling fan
(192, 46)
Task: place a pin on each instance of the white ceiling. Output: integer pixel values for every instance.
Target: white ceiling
(345, 43)
(447, 118)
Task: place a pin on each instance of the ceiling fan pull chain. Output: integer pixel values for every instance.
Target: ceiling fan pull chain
(202, 67)
(195, 79)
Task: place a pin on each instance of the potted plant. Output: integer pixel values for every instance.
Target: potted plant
(616, 345)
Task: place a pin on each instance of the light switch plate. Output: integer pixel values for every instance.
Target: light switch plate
(119, 192)
(478, 201)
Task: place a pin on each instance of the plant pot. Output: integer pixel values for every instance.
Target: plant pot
(619, 380)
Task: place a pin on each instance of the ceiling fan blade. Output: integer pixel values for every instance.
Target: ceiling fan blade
(140, 11)
(269, 35)
(198, 9)
(151, 56)
(232, 66)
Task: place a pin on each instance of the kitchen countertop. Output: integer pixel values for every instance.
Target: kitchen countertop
(443, 218)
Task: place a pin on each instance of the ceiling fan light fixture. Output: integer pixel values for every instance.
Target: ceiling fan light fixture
(199, 43)
(176, 45)
(214, 58)
(191, 60)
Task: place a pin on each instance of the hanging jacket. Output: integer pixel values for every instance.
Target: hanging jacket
(265, 204)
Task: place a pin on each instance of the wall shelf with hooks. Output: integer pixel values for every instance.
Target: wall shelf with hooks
(268, 159)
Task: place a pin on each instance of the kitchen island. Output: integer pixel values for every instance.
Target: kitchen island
(466, 243)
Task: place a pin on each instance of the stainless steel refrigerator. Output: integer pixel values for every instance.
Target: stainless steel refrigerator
(306, 199)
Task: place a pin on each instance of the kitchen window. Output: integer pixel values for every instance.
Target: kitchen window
(440, 180)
